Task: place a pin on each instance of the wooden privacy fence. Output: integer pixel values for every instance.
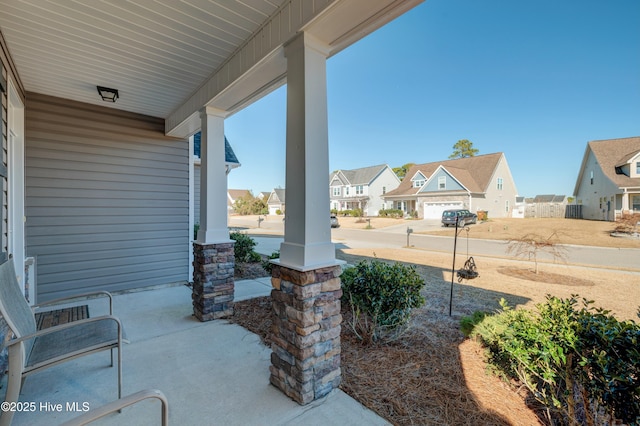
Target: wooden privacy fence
(572, 211)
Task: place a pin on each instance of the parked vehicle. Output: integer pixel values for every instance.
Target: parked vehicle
(334, 221)
(463, 216)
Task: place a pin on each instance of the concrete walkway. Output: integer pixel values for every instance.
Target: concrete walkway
(213, 373)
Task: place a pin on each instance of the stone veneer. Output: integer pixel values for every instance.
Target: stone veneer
(212, 292)
(305, 362)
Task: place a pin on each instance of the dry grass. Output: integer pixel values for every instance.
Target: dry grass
(432, 375)
(569, 231)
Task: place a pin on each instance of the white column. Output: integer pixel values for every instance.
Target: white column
(213, 179)
(625, 201)
(307, 241)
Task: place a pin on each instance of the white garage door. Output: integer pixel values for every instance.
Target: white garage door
(434, 210)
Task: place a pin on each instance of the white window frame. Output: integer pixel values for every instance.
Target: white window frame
(359, 189)
(336, 191)
(499, 184)
(442, 182)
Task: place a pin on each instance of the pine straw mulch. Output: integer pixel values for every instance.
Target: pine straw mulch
(429, 376)
(545, 277)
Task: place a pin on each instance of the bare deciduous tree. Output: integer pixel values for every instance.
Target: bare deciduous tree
(529, 245)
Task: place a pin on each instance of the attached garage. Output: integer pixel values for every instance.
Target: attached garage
(433, 210)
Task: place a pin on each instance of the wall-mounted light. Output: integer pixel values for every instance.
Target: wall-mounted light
(107, 94)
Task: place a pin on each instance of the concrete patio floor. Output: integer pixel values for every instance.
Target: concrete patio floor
(213, 373)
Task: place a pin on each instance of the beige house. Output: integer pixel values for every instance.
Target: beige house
(480, 183)
(608, 183)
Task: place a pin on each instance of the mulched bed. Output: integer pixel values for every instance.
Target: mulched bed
(545, 277)
(415, 380)
(418, 379)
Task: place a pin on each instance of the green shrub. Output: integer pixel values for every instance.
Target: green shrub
(278, 212)
(268, 266)
(243, 248)
(394, 213)
(357, 213)
(467, 324)
(381, 297)
(571, 360)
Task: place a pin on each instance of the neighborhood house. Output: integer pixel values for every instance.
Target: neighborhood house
(608, 183)
(362, 189)
(480, 183)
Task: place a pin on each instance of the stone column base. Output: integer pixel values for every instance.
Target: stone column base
(212, 294)
(305, 358)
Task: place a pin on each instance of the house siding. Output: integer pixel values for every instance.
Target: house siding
(387, 180)
(594, 197)
(495, 200)
(107, 199)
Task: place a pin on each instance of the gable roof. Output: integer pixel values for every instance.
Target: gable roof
(549, 198)
(234, 194)
(229, 155)
(362, 176)
(610, 153)
(277, 196)
(474, 173)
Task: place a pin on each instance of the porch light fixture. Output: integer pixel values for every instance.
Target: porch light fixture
(107, 94)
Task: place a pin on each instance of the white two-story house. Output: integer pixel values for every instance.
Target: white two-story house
(362, 188)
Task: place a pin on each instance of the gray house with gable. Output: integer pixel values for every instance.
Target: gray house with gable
(362, 188)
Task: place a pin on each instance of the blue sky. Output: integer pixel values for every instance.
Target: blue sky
(535, 79)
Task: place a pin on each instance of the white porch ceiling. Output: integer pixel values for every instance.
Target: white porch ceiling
(169, 58)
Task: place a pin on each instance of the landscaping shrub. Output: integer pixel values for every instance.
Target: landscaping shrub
(394, 213)
(628, 223)
(268, 266)
(243, 248)
(467, 324)
(576, 362)
(381, 297)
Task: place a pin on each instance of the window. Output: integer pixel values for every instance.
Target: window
(499, 181)
(359, 190)
(442, 182)
(346, 190)
(635, 203)
(638, 168)
(384, 189)
(336, 191)
(591, 177)
(506, 206)
(418, 183)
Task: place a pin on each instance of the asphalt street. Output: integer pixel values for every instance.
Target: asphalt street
(396, 236)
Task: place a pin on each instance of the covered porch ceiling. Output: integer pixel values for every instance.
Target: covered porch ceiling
(170, 58)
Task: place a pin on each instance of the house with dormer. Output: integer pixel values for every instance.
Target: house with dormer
(608, 183)
(479, 183)
(362, 188)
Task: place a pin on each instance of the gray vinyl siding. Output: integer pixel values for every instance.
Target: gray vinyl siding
(107, 199)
